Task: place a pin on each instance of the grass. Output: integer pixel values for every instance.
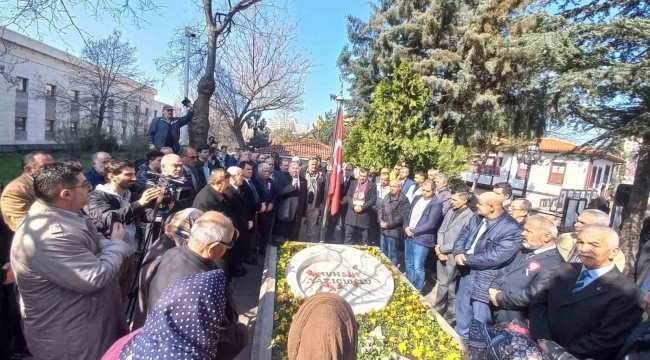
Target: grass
(10, 164)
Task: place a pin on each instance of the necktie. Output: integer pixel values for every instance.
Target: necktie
(581, 280)
(192, 177)
(257, 197)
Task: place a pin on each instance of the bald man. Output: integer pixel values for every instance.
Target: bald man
(95, 175)
(172, 166)
(512, 291)
(488, 243)
(590, 308)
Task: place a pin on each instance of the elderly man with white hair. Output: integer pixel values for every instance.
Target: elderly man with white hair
(95, 175)
(566, 243)
(242, 220)
(588, 308)
(210, 236)
(512, 291)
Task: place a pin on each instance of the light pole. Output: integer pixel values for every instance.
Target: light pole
(529, 156)
(189, 33)
(253, 121)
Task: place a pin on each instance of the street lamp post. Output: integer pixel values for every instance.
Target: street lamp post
(253, 121)
(189, 33)
(529, 156)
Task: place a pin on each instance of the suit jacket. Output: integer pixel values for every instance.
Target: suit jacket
(444, 195)
(249, 191)
(392, 211)
(427, 228)
(239, 208)
(591, 323)
(363, 218)
(209, 199)
(521, 280)
(268, 190)
(189, 184)
(449, 230)
(16, 200)
(199, 169)
(495, 249)
(407, 185)
(292, 202)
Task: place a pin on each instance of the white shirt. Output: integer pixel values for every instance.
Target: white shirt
(480, 232)
(594, 274)
(539, 251)
(411, 193)
(418, 210)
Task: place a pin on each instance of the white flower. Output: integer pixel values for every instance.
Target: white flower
(377, 333)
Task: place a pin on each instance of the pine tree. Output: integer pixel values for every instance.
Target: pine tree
(391, 131)
(260, 139)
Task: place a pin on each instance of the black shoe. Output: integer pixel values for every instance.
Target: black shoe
(238, 271)
(252, 260)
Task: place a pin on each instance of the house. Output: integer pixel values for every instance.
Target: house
(305, 149)
(580, 172)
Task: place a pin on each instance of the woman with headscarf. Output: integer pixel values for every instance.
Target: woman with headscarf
(323, 329)
(177, 233)
(177, 333)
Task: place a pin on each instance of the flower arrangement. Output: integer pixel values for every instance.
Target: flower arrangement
(402, 328)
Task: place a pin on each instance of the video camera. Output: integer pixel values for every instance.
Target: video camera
(175, 191)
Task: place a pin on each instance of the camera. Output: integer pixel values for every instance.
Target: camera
(176, 190)
(310, 198)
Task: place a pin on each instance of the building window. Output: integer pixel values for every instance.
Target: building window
(600, 172)
(21, 84)
(109, 129)
(111, 104)
(49, 125)
(50, 90)
(146, 113)
(123, 130)
(155, 113)
(74, 95)
(521, 171)
(136, 110)
(21, 124)
(556, 176)
(73, 126)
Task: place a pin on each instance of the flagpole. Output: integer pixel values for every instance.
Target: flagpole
(328, 202)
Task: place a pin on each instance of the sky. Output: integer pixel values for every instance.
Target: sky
(321, 31)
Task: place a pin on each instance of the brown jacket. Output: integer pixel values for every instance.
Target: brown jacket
(16, 200)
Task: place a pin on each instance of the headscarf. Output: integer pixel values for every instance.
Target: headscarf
(184, 324)
(323, 329)
(178, 228)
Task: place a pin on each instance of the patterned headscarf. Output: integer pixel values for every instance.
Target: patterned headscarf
(184, 324)
(179, 225)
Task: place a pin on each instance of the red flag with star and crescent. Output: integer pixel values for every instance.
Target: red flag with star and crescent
(334, 191)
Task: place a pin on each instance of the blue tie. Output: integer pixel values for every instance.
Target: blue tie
(581, 280)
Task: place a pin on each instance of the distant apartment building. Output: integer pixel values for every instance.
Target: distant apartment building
(288, 124)
(30, 112)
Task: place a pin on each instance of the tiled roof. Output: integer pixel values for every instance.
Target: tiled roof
(552, 145)
(304, 148)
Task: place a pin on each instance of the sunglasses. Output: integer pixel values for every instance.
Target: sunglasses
(191, 157)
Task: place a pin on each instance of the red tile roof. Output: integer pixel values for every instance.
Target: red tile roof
(552, 145)
(304, 148)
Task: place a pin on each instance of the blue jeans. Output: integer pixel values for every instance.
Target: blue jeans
(468, 309)
(388, 246)
(414, 257)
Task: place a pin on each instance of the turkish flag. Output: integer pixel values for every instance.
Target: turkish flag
(334, 191)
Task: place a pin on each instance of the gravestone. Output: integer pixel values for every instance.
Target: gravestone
(361, 279)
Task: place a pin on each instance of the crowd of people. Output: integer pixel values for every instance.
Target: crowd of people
(183, 221)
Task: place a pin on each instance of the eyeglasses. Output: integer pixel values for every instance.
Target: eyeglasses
(85, 184)
(229, 245)
(191, 157)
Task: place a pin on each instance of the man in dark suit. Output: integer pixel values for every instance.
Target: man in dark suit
(255, 205)
(421, 226)
(242, 220)
(292, 206)
(361, 198)
(195, 178)
(488, 243)
(447, 274)
(590, 308)
(346, 181)
(512, 291)
(204, 165)
(268, 192)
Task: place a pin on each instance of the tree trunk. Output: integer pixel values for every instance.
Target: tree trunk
(97, 129)
(635, 210)
(240, 138)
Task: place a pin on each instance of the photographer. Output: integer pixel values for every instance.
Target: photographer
(172, 167)
(154, 159)
(166, 130)
(111, 203)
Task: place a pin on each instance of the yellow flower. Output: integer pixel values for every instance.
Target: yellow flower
(276, 316)
(417, 352)
(402, 347)
(280, 298)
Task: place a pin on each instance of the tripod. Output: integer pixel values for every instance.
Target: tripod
(153, 233)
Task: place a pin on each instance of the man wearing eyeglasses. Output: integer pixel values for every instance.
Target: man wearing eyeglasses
(210, 236)
(66, 271)
(195, 178)
(166, 130)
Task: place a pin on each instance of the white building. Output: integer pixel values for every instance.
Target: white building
(29, 118)
(558, 172)
(288, 124)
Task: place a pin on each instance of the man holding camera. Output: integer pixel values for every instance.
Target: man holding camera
(172, 167)
(111, 202)
(166, 130)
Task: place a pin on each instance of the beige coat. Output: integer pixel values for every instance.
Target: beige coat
(65, 272)
(567, 241)
(16, 200)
